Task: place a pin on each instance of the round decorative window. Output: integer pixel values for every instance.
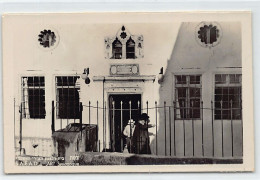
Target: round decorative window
(48, 39)
(208, 34)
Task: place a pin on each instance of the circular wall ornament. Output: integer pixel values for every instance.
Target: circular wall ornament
(134, 69)
(208, 34)
(48, 39)
(113, 70)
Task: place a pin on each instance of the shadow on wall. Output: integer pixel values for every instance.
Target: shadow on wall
(187, 138)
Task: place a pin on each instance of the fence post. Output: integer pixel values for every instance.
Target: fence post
(183, 121)
(89, 113)
(212, 118)
(147, 107)
(80, 117)
(242, 128)
(105, 127)
(130, 115)
(202, 130)
(52, 118)
(222, 129)
(165, 126)
(156, 128)
(112, 128)
(174, 117)
(21, 128)
(121, 127)
(192, 121)
(98, 130)
(170, 126)
(232, 148)
(146, 123)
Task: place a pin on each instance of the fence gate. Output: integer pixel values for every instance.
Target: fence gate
(122, 107)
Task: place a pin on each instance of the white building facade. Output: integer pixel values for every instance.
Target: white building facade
(185, 76)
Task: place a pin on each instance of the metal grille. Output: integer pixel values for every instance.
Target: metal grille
(67, 97)
(188, 96)
(117, 49)
(33, 97)
(130, 49)
(228, 96)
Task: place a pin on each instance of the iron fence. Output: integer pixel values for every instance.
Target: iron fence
(165, 118)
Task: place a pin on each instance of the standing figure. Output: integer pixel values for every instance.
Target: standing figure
(141, 141)
(128, 132)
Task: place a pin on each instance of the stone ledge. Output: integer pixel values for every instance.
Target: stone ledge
(108, 158)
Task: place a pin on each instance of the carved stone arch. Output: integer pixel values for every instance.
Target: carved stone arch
(133, 43)
(123, 34)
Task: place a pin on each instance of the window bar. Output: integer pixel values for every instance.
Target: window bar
(212, 118)
(98, 130)
(89, 113)
(33, 106)
(174, 117)
(130, 115)
(202, 130)
(183, 121)
(112, 128)
(222, 129)
(192, 121)
(39, 97)
(121, 127)
(67, 109)
(57, 97)
(170, 124)
(63, 102)
(232, 142)
(156, 128)
(164, 107)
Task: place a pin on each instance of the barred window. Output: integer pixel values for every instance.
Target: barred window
(188, 96)
(33, 97)
(67, 97)
(117, 49)
(228, 96)
(130, 49)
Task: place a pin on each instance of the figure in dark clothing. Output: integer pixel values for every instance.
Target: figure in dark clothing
(141, 141)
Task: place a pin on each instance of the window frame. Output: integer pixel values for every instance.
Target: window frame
(188, 86)
(114, 51)
(227, 85)
(56, 94)
(24, 115)
(131, 52)
(124, 49)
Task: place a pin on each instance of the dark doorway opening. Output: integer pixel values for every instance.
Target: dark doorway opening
(126, 106)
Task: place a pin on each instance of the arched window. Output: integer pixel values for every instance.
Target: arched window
(130, 49)
(117, 49)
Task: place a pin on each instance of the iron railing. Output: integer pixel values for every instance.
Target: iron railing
(165, 116)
